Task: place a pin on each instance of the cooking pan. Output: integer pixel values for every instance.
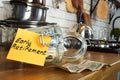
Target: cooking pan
(40, 2)
(15, 10)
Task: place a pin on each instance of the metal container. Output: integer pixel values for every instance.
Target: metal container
(85, 31)
(40, 2)
(22, 11)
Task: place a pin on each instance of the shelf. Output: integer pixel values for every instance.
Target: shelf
(107, 50)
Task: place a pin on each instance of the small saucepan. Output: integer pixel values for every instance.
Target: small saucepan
(21, 11)
(41, 2)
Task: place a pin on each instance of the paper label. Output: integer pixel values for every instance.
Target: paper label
(26, 48)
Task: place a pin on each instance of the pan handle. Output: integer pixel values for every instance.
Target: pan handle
(3, 22)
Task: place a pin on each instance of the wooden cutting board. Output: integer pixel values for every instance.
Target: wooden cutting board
(72, 5)
(102, 10)
(69, 7)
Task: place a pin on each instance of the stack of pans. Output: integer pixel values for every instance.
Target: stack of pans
(22, 14)
(27, 10)
(39, 2)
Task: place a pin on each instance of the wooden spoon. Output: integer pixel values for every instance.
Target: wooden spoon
(69, 7)
(78, 4)
(87, 19)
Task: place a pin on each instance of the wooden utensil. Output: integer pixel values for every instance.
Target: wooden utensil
(87, 19)
(102, 10)
(78, 4)
(82, 29)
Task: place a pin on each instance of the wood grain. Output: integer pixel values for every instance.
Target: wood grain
(30, 72)
(102, 10)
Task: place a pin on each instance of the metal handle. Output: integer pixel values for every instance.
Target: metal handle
(41, 40)
(3, 22)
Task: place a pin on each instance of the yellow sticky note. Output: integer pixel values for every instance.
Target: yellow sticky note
(27, 48)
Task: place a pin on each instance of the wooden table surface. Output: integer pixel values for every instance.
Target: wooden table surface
(11, 70)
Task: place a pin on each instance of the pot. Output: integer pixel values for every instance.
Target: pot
(83, 28)
(22, 11)
(40, 2)
(86, 31)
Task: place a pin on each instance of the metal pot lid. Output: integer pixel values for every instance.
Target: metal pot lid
(41, 2)
(26, 4)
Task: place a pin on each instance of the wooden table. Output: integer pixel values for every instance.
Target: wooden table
(11, 70)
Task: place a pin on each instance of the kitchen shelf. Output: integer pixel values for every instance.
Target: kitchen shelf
(107, 50)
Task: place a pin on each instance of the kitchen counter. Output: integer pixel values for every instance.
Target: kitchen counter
(12, 70)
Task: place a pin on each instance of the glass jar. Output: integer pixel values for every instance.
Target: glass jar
(7, 35)
(75, 47)
(56, 47)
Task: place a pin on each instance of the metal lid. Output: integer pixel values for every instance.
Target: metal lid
(25, 4)
(28, 4)
(40, 2)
